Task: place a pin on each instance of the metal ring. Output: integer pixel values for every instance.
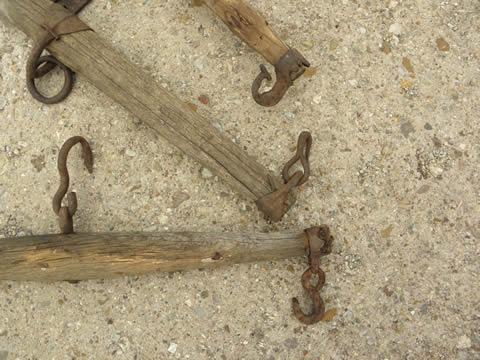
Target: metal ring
(67, 85)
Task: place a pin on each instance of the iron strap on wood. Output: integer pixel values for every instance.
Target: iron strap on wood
(89, 55)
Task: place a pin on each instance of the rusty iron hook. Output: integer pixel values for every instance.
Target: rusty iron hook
(65, 213)
(304, 146)
(318, 306)
(289, 68)
(277, 203)
(318, 242)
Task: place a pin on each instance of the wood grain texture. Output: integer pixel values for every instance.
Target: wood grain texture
(95, 256)
(89, 55)
(249, 26)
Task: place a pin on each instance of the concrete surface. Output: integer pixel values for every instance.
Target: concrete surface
(394, 112)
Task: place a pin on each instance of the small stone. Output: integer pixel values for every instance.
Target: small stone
(291, 343)
(423, 309)
(179, 198)
(427, 126)
(333, 45)
(317, 99)
(392, 4)
(198, 64)
(386, 47)
(204, 99)
(362, 30)
(353, 82)
(395, 29)
(385, 233)
(423, 189)
(442, 44)
(172, 349)
(204, 294)
(3, 354)
(192, 106)
(406, 128)
(464, 342)
(387, 291)
(290, 115)
(407, 64)
(38, 162)
(130, 153)
(3, 332)
(311, 71)
(406, 84)
(3, 103)
(206, 174)
(308, 44)
(436, 171)
(329, 315)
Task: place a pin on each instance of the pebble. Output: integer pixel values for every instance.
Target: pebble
(204, 99)
(199, 64)
(3, 103)
(406, 128)
(308, 44)
(436, 171)
(172, 349)
(130, 153)
(423, 189)
(317, 99)
(290, 115)
(291, 343)
(464, 342)
(395, 29)
(179, 198)
(442, 44)
(206, 174)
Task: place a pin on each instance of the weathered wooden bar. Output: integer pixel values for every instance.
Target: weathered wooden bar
(95, 256)
(89, 55)
(249, 26)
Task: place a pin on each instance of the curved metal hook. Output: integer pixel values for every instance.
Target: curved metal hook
(318, 306)
(304, 146)
(318, 242)
(65, 213)
(289, 68)
(38, 66)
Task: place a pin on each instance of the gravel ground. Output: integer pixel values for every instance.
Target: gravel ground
(393, 104)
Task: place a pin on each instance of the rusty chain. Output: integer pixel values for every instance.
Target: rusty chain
(318, 242)
(65, 213)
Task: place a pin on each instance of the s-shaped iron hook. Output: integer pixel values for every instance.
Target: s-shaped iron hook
(65, 213)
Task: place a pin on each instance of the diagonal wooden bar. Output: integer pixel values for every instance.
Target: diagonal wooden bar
(88, 54)
(99, 256)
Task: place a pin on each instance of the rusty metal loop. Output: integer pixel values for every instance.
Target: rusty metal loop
(40, 68)
(38, 65)
(290, 67)
(303, 155)
(65, 213)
